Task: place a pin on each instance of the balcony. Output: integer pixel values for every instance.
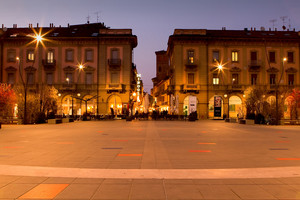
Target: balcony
(190, 88)
(254, 65)
(49, 65)
(115, 88)
(114, 64)
(190, 66)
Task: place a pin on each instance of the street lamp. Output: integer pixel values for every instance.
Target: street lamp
(38, 38)
(276, 90)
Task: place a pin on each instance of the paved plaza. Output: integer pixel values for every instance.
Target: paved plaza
(149, 160)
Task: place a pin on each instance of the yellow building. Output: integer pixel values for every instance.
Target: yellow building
(89, 64)
(209, 70)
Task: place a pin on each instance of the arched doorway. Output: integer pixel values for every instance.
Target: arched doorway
(235, 107)
(189, 104)
(115, 103)
(215, 107)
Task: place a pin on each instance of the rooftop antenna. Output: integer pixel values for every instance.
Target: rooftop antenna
(88, 19)
(283, 22)
(273, 22)
(290, 24)
(97, 13)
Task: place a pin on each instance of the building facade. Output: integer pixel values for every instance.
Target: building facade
(89, 64)
(210, 71)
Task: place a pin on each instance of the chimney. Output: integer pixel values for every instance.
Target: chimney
(2, 26)
(251, 29)
(254, 29)
(68, 25)
(37, 25)
(275, 29)
(269, 29)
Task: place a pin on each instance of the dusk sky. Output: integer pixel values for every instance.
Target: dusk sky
(152, 20)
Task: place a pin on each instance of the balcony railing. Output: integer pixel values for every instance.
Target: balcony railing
(114, 62)
(49, 65)
(190, 66)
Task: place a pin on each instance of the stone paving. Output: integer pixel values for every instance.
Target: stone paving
(149, 160)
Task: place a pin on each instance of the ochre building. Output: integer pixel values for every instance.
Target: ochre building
(89, 64)
(209, 71)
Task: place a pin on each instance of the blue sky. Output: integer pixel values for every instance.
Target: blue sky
(152, 21)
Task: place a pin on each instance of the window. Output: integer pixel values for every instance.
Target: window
(216, 56)
(11, 55)
(89, 55)
(272, 79)
(88, 78)
(235, 79)
(10, 78)
(291, 79)
(115, 77)
(272, 57)
(216, 79)
(50, 56)
(30, 78)
(115, 54)
(190, 78)
(234, 56)
(69, 77)
(253, 79)
(49, 78)
(253, 56)
(290, 57)
(30, 55)
(191, 57)
(69, 55)
(159, 69)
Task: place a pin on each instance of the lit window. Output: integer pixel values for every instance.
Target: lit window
(234, 56)
(216, 79)
(191, 57)
(50, 56)
(30, 55)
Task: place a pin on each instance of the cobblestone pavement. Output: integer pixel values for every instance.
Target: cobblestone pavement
(149, 160)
